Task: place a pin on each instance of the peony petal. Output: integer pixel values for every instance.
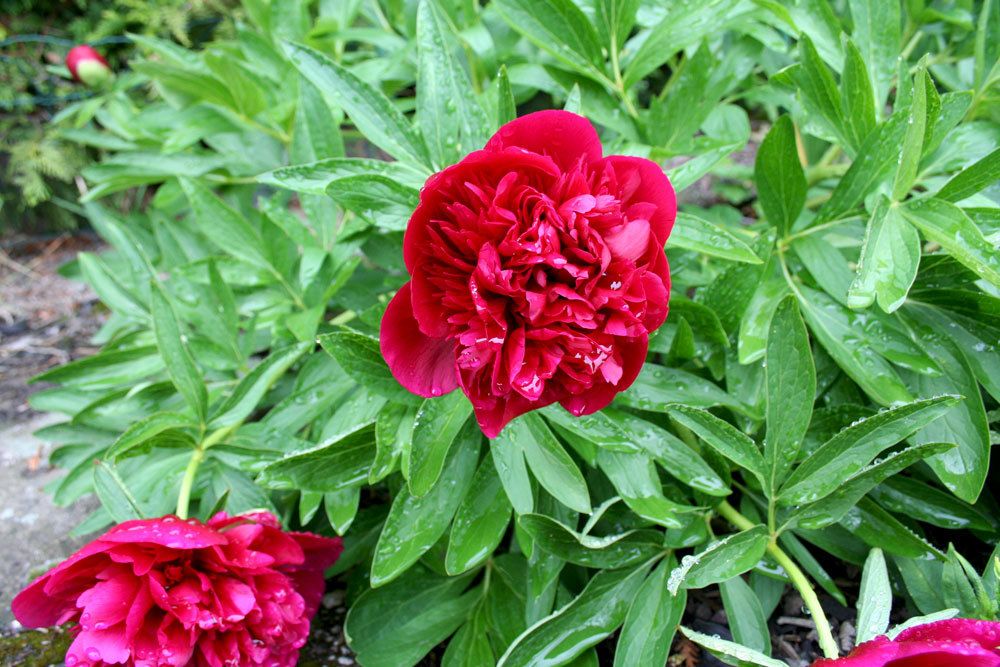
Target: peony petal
(563, 136)
(643, 180)
(630, 241)
(99, 647)
(603, 392)
(423, 365)
(984, 633)
(51, 595)
(168, 531)
(107, 602)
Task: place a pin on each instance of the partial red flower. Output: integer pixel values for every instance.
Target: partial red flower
(958, 642)
(537, 273)
(168, 592)
(87, 65)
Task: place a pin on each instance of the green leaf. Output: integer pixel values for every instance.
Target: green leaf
(381, 199)
(397, 624)
(115, 497)
(507, 450)
(890, 256)
(109, 288)
(972, 179)
(506, 106)
(781, 183)
(929, 504)
(791, 390)
(330, 466)
(873, 163)
(470, 647)
(731, 650)
(607, 552)
(683, 24)
(836, 329)
(437, 424)
(173, 347)
(721, 436)
(877, 34)
(223, 225)
(834, 506)
(393, 436)
(913, 140)
(756, 321)
(589, 618)
(341, 508)
(559, 27)
(693, 233)
(316, 134)
(874, 599)
(651, 622)
(415, 523)
(480, 522)
(252, 388)
(659, 386)
(746, 617)
(676, 458)
(880, 529)
(944, 223)
(549, 462)
(635, 479)
(107, 369)
(451, 119)
(847, 453)
(818, 91)
(315, 177)
(857, 98)
(361, 359)
(144, 430)
(615, 19)
(374, 115)
(721, 560)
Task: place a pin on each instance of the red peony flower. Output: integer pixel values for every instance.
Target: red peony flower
(959, 642)
(236, 591)
(87, 65)
(537, 273)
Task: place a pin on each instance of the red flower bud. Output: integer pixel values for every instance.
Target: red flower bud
(88, 66)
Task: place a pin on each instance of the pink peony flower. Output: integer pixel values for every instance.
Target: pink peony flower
(958, 642)
(538, 273)
(88, 66)
(235, 592)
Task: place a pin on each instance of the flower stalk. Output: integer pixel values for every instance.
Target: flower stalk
(187, 482)
(798, 578)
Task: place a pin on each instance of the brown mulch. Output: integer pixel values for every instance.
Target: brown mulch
(45, 319)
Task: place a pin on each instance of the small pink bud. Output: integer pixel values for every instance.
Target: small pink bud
(88, 66)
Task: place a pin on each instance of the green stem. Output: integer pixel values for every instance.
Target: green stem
(187, 482)
(798, 578)
(619, 82)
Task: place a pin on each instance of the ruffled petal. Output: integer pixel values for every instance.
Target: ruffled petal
(423, 365)
(603, 392)
(168, 531)
(563, 136)
(643, 180)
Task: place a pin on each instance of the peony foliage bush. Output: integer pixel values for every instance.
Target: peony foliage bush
(361, 250)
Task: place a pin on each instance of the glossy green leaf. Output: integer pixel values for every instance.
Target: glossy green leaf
(173, 346)
(329, 466)
(142, 431)
(874, 599)
(781, 183)
(835, 327)
(889, 259)
(853, 448)
(451, 120)
(722, 436)
(381, 199)
(373, 113)
(746, 618)
(507, 450)
(361, 359)
(756, 322)
(252, 388)
(437, 424)
(831, 508)
(228, 230)
(722, 559)
(589, 618)
(972, 179)
(919, 500)
(651, 621)
(946, 224)
(115, 497)
(791, 390)
(818, 93)
(877, 34)
(416, 523)
(397, 624)
(559, 27)
(550, 464)
(658, 386)
(341, 508)
(913, 139)
(635, 479)
(606, 552)
(699, 235)
(857, 97)
(480, 522)
(731, 650)
(506, 106)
